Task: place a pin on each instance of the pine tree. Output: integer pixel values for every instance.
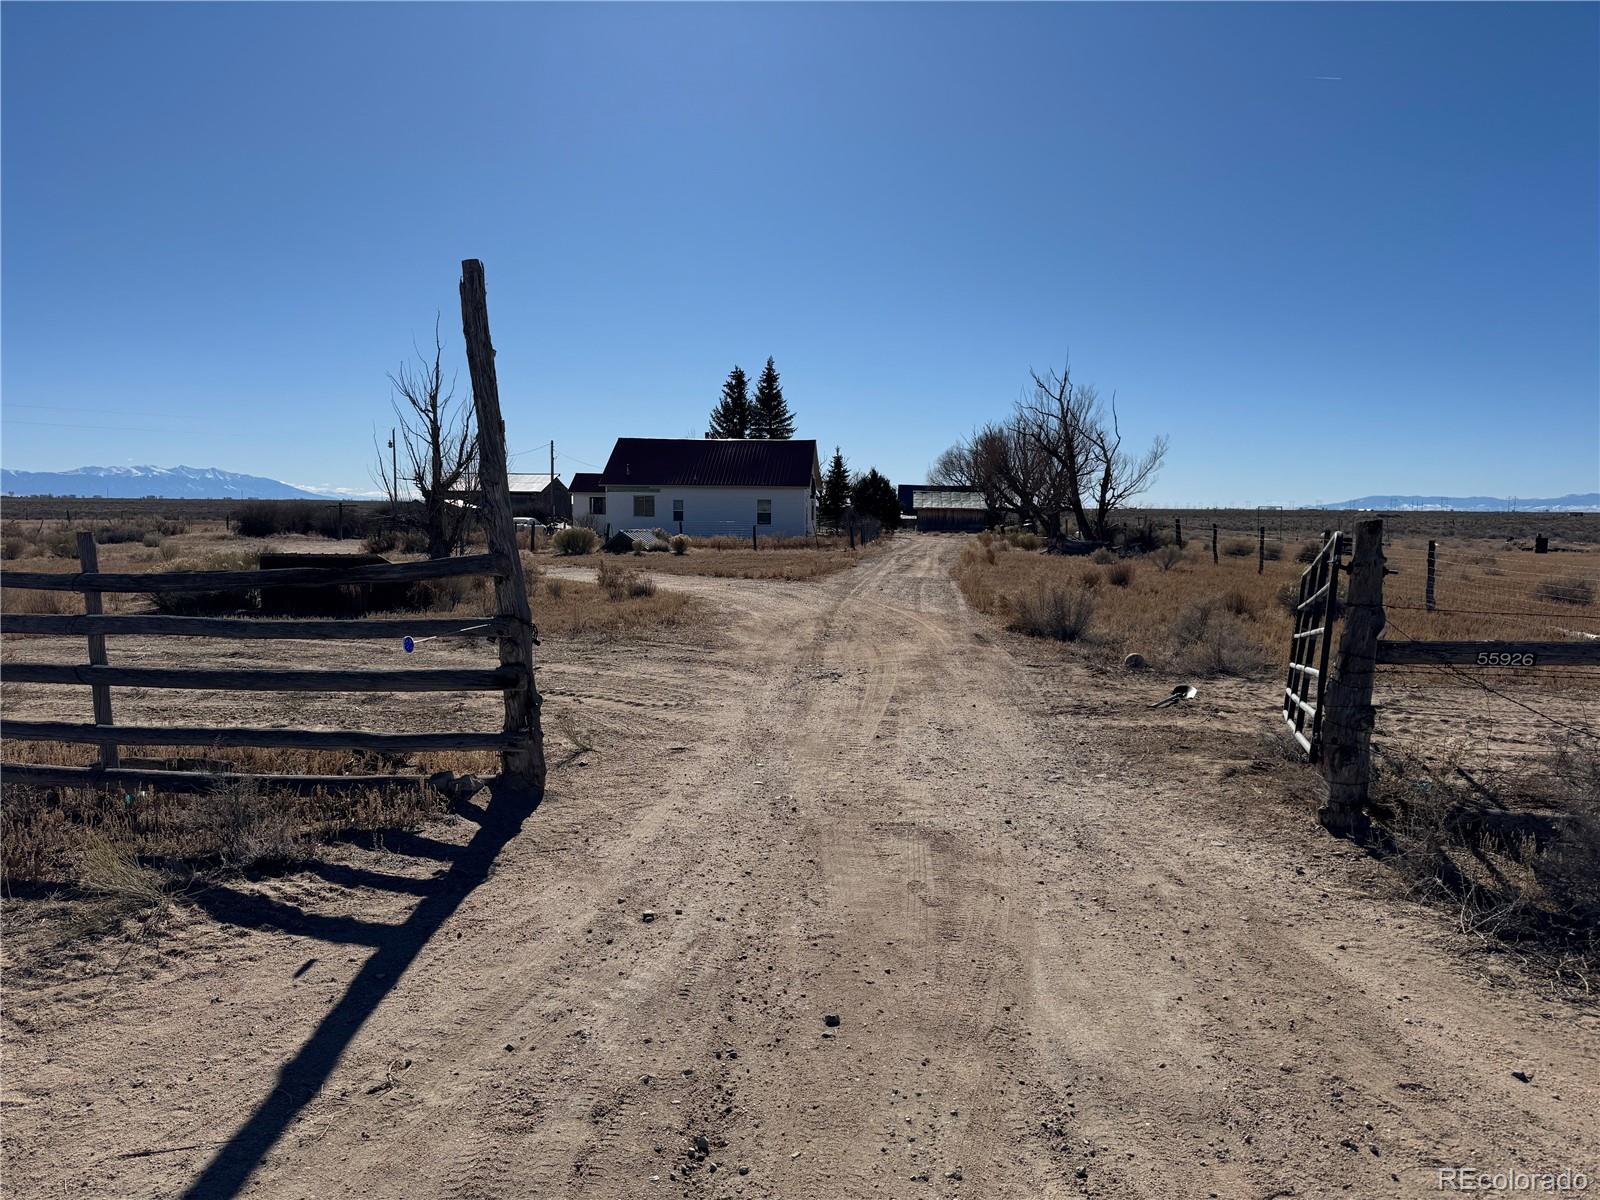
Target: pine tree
(873, 495)
(835, 490)
(770, 416)
(731, 417)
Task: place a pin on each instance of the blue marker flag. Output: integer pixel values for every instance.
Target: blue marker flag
(408, 643)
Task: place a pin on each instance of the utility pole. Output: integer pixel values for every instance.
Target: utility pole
(394, 478)
(552, 460)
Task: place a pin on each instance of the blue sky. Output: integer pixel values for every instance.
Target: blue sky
(223, 225)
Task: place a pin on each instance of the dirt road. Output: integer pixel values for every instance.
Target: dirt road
(1059, 966)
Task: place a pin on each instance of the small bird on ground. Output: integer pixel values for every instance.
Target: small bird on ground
(1179, 694)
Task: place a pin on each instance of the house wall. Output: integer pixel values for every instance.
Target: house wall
(707, 511)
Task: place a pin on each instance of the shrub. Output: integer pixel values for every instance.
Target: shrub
(1213, 641)
(1238, 603)
(1168, 556)
(554, 587)
(1308, 552)
(1239, 548)
(1023, 540)
(153, 539)
(1103, 556)
(1272, 551)
(1574, 589)
(680, 544)
(13, 547)
(1051, 610)
(578, 539)
(619, 582)
(638, 545)
(1120, 574)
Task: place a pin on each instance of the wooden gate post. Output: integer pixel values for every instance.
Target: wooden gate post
(88, 561)
(523, 764)
(1433, 550)
(1347, 725)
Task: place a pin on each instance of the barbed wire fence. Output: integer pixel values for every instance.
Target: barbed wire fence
(1508, 729)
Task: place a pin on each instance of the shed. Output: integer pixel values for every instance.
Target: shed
(947, 510)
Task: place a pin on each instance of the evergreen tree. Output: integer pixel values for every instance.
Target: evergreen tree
(731, 417)
(770, 416)
(873, 495)
(835, 490)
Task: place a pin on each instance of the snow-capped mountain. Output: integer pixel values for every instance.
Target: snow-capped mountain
(1572, 502)
(168, 483)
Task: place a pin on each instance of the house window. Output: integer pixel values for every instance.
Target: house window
(597, 506)
(763, 512)
(644, 506)
(677, 511)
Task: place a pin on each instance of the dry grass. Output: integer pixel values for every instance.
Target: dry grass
(1205, 619)
(795, 559)
(1483, 591)
(1053, 610)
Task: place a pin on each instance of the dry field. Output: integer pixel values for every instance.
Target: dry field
(1489, 781)
(846, 893)
(792, 559)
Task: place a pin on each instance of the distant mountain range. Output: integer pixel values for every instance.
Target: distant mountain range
(1574, 502)
(132, 483)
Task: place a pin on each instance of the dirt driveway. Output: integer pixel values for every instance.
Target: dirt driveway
(925, 923)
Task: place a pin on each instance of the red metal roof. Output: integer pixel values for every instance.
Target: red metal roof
(711, 462)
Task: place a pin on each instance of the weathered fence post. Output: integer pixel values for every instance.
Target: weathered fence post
(523, 764)
(1177, 528)
(1433, 548)
(1213, 545)
(1261, 549)
(1347, 726)
(88, 561)
(753, 544)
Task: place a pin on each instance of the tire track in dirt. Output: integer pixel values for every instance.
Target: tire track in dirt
(1058, 971)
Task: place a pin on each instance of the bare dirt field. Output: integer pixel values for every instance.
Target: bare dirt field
(856, 895)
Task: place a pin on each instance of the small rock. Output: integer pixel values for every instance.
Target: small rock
(1522, 1075)
(647, 916)
(744, 1170)
(701, 1145)
(831, 1020)
(1134, 662)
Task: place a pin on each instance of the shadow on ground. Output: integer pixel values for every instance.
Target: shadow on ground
(395, 948)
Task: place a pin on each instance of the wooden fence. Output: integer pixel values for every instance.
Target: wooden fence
(1336, 704)
(519, 741)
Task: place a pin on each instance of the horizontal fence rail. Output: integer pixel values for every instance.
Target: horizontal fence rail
(298, 739)
(258, 629)
(218, 581)
(439, 680)
(1491, 654)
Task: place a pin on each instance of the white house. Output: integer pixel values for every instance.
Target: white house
(703, 487)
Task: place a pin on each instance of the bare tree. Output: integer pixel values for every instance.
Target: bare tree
(1081, 435)
(440, 444)
(1057, 461)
